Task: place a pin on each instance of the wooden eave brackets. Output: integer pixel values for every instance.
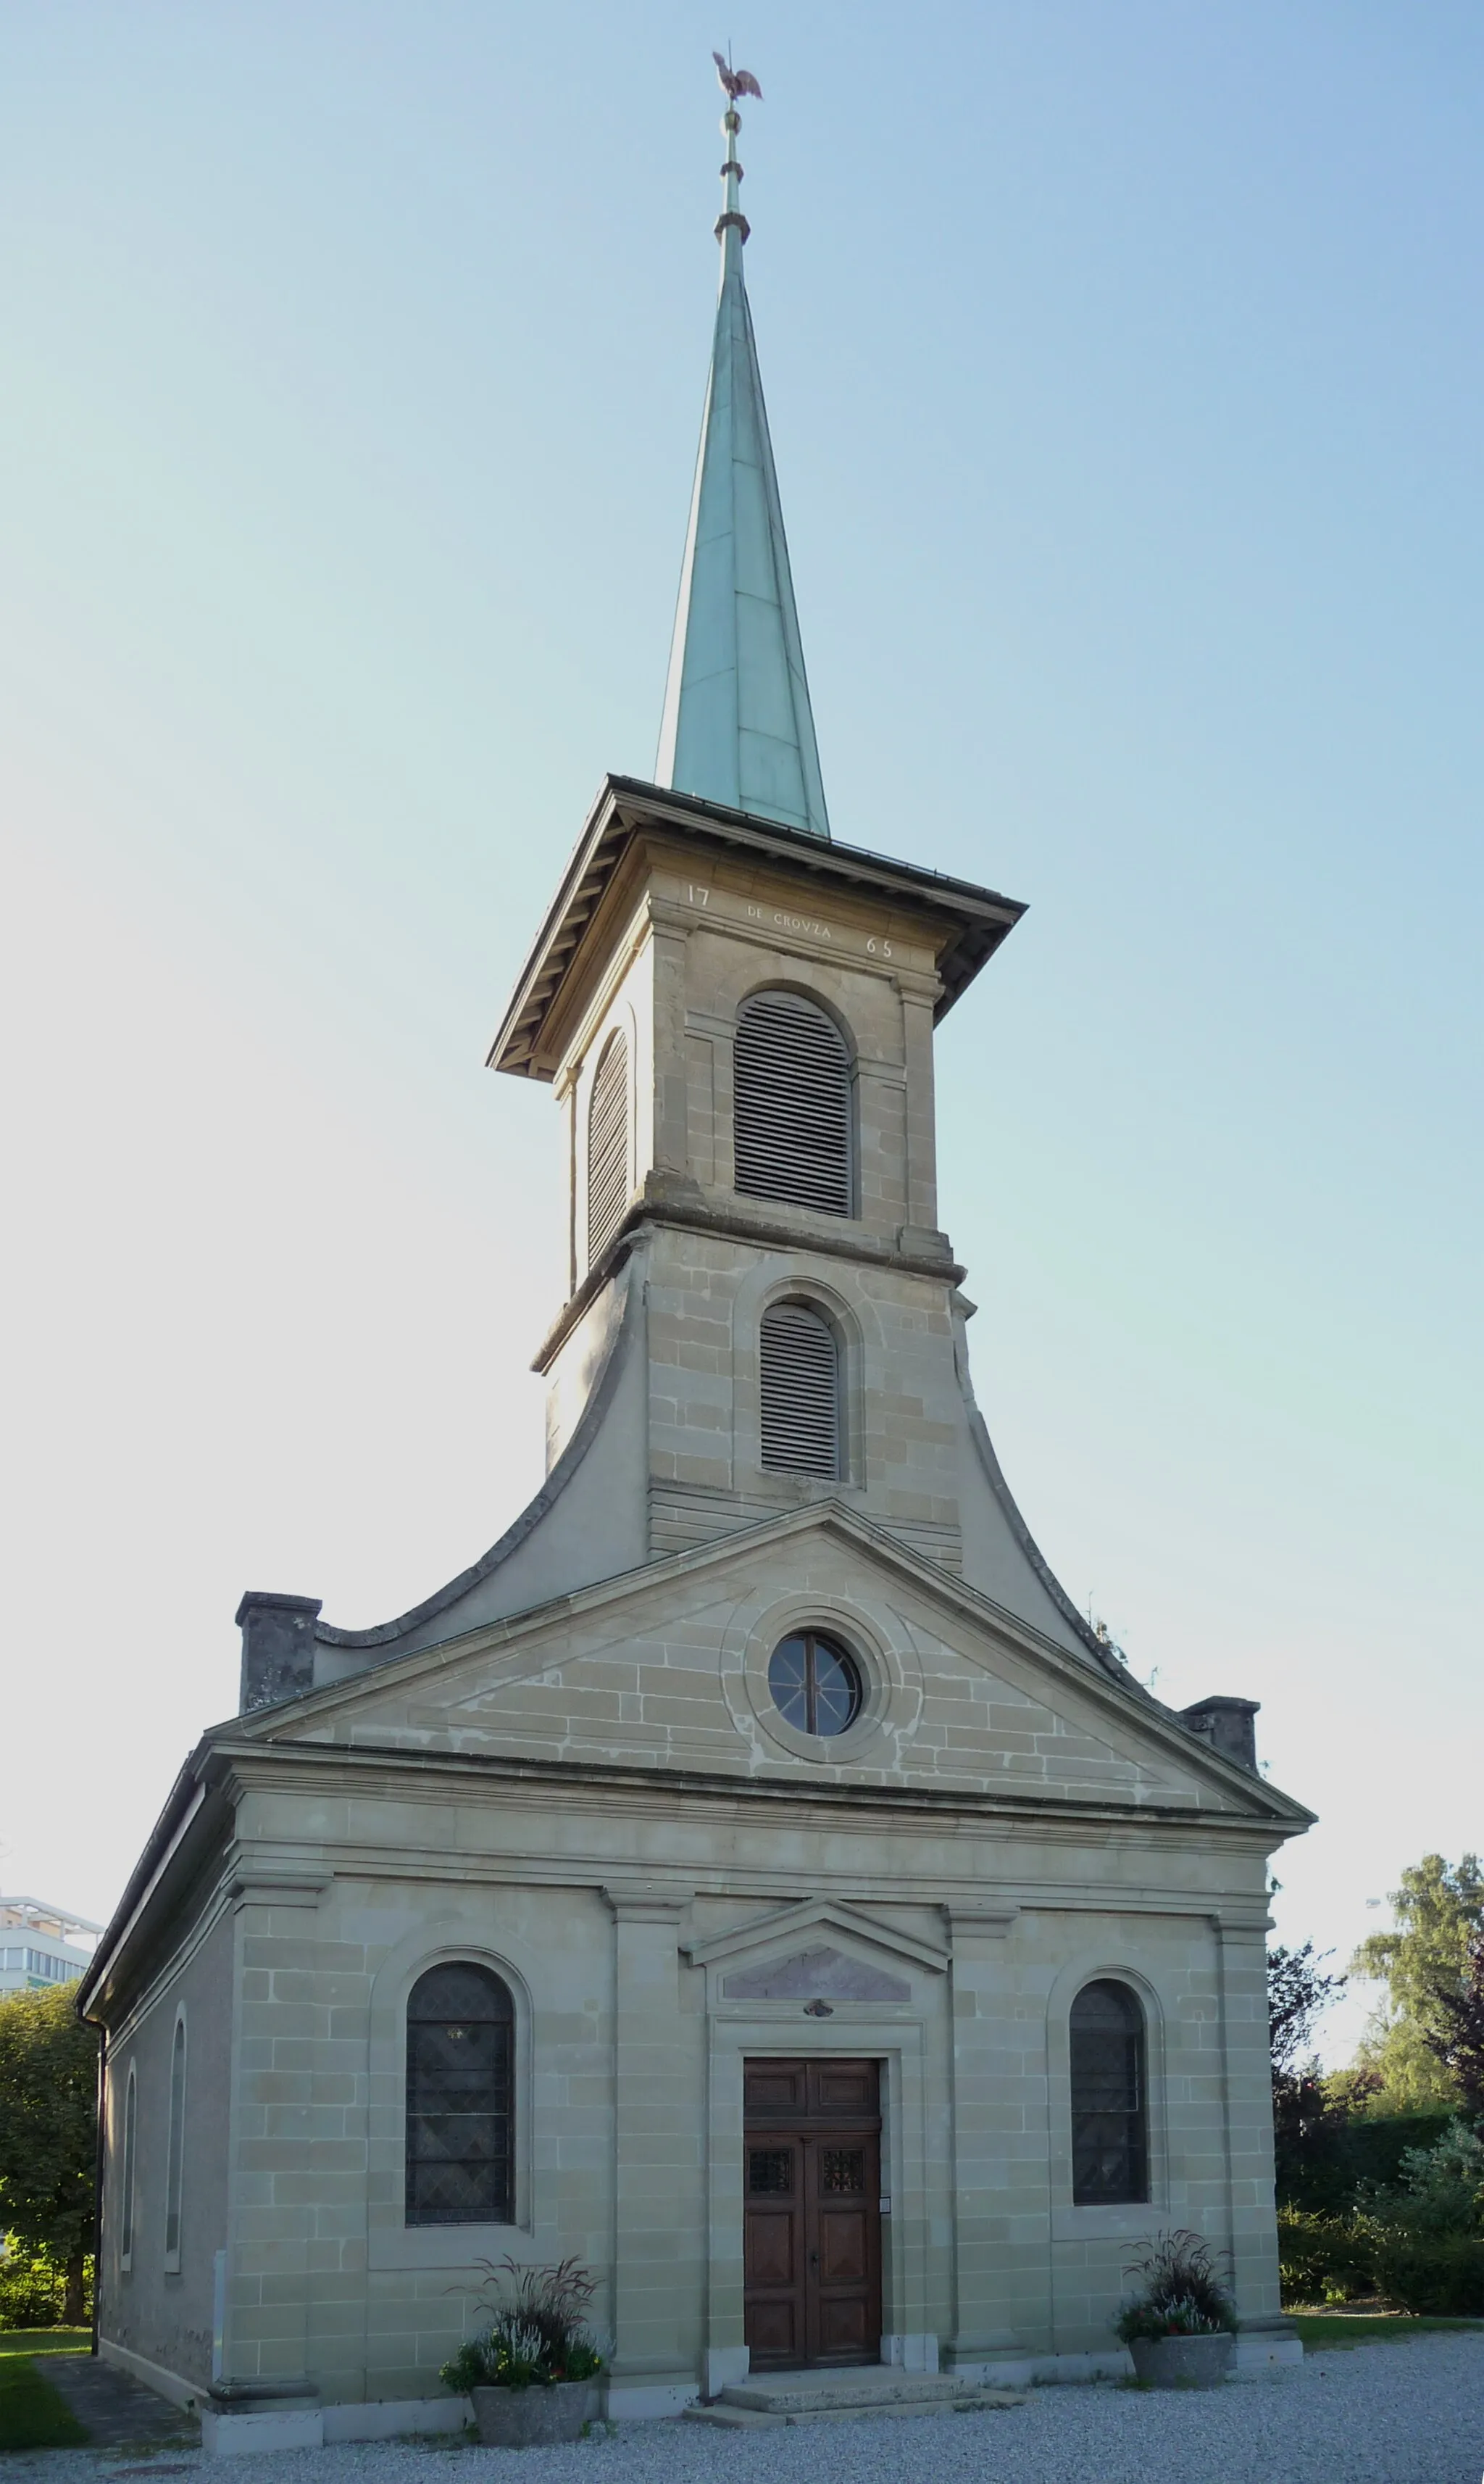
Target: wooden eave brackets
(980, 917)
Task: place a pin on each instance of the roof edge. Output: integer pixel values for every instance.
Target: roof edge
(982, 917)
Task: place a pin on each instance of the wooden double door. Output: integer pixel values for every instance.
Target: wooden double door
(811, 2212)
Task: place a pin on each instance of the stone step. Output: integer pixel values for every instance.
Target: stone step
(846, 2397)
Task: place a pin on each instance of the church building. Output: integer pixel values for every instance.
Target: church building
(752, 1876)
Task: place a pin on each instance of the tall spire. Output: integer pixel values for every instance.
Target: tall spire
(737, 727)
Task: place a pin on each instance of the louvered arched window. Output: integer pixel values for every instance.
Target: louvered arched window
(1109, 2104)
(607, 1146)
(792, 1105)
(800, 1391)
(460, 2070)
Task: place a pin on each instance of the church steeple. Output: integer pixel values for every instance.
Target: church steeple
(737, 727)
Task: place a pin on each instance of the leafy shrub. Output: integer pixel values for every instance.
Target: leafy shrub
(1323, 2259)
(32, 2289)
(1416, 2239)
(537, 2332)
(1327, 2149)
(1440, 2189)
(1437, 2276)
(1180, 2294)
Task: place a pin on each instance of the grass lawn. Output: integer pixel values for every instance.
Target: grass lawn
(45, 2341)
(32, 2416)
(1332, 2329)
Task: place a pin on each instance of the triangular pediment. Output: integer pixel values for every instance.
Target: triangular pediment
(800, 1946)
(666, 1668)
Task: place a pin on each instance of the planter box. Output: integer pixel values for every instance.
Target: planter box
(1183, 2363)
(531, 2419)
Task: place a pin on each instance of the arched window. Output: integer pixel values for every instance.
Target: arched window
(799, 1385)
(607, 1146)
(174, 2159)
(460, 2026)
(1109, 2102)
(126, 2203)
(792, 1114)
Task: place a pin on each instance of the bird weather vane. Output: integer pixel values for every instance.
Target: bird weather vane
(735, 82)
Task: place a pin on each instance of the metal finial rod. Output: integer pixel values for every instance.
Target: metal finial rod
(733, 83)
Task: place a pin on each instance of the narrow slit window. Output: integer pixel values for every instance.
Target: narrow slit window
(127, 2206)
(175, 2161)
(607, 1146)
(460, 2048)
(800, 1391)
(791, 1105)
(1108, 2099)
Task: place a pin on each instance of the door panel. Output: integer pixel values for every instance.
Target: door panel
(812, 2262)
(773, 2254)
(839, 2090)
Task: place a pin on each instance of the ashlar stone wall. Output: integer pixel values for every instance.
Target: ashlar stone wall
(617, 1922)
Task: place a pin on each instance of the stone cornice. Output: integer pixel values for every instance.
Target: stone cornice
(642, 1902)
(280, 1764)
(974, 920)
(671, 1202)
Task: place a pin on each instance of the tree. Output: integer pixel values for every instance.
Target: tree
(1440, 1918)
(1304, 2112)
(48, 2131)
(1456, 2037)
(1298, 1994)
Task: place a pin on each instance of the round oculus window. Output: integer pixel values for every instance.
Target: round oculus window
(816, 1687)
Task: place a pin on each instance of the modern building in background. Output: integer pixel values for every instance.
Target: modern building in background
(42, 1944)
(751, 1877)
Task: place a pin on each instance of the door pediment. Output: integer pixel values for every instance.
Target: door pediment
(821, 1973)
(819, 1951)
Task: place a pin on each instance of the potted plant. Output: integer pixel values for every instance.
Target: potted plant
(531, 2371)
(1180, 2326)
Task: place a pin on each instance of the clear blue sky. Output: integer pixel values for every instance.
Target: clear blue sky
(1124, 374)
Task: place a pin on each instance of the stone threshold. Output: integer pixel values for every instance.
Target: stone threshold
(846, 2396)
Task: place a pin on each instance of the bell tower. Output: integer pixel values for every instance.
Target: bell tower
(735, 1013)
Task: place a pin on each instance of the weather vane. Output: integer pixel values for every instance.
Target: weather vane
(732, 82)
(736, 82)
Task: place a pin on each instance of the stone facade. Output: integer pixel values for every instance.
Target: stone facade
(570, 1766)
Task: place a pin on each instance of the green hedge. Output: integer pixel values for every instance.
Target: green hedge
(1322, 2172)
(1437, 2275)
(1322, 2259)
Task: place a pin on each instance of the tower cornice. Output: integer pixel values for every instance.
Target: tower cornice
(973, 920)
(662, 1206)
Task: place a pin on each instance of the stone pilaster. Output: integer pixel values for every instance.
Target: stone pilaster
(998, 2145)
(658, 2256)
(918, 994)
(1241, 1958)
(266, 2282)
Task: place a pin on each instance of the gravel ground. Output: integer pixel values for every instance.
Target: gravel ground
(1406, 2414)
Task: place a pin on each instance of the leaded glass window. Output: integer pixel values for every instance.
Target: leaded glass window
(1109, 2106)
(460, 2062)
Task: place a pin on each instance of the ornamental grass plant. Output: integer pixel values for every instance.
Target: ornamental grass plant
(1179, 2293)
(535, 2332)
